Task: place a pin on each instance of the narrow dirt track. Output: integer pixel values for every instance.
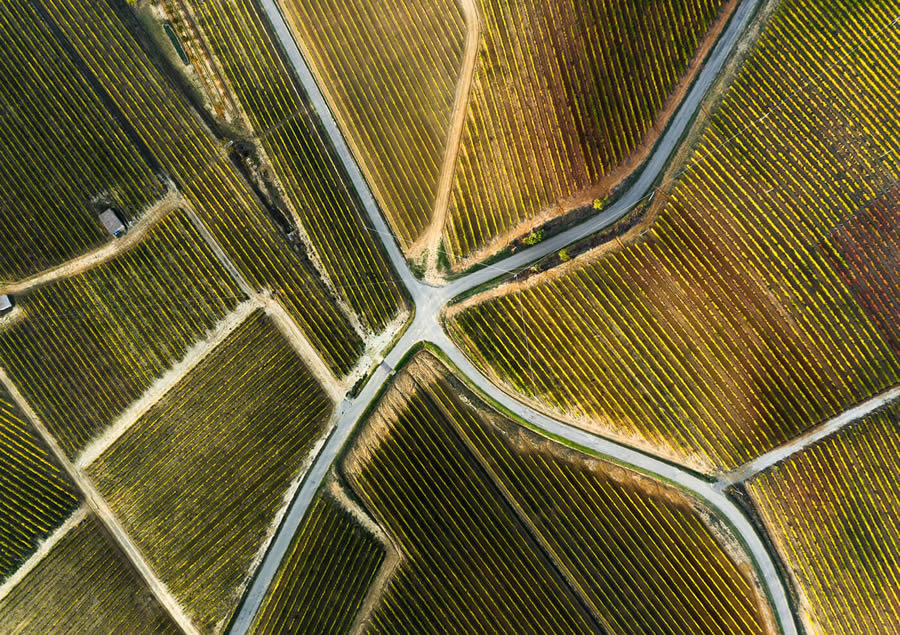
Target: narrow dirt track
(821, 431)
(105, 514)
(429, 301)
(431, 238)
(98, 256)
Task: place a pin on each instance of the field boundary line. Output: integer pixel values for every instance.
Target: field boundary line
(430, 240)
(285, 323)
(322, 110)
(392, 554)
(528, 525)
(171, 201)
(817, 433)
(292, 333)
(44, 547)
(193, 357)
(105, 514)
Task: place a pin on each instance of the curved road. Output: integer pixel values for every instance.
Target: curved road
(426, 327)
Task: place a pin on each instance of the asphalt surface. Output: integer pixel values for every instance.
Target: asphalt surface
(426, 327)
(767, 460)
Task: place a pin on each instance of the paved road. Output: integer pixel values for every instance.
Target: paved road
(818, 433)
(425, 327)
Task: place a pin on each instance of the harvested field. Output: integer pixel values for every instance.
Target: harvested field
(498, 527)
(198, 480)
(84, 585)
(831, 512)
(87, 346)
(730, 327)
(37, 496)
(321, 585)
(390, 71)
(64, 156)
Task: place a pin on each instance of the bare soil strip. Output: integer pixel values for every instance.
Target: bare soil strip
(430, 239)
(104, 513)
(43, 549)
(285, 324)
(196, 354)
(388, 565)
(171, 201)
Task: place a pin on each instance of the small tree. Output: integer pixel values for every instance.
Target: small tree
(534, 237)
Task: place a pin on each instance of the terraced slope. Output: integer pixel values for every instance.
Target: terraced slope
(87, 346)
(36, 495)
(63, 156)
(564, 94)
(390, 71)
(313, 182)
(831, 513)
(198, 480)
(84, 585)
(740, 318)
(500, 528)
(321, 584)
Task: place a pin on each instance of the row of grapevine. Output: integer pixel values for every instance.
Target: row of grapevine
(63, 154)
(37, 496)
(832, 513)
(485, 515)
(321, 584)
(198, 480)
(303, 161)
(83, 585)
(88, 345)
(468, 563)
(564, 93)
(866, 255)
(224, 202)
(726, 329)
(390, 71)
(642, 554)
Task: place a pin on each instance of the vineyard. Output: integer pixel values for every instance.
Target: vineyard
(499, 527)
(390, 71)
(37, 496)
(563, 96)
(865, 251)
(90, 344)
(84, 585)
(726, 328)
(223, 201)
(198, 479)
(63, 153)
(322, 582)
(301, 157)
(832, 515)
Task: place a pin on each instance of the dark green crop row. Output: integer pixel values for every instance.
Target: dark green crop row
(322, 583)
(87, 346)
(189, 153)
(304, 163)
(83, 585)
(503, 531)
